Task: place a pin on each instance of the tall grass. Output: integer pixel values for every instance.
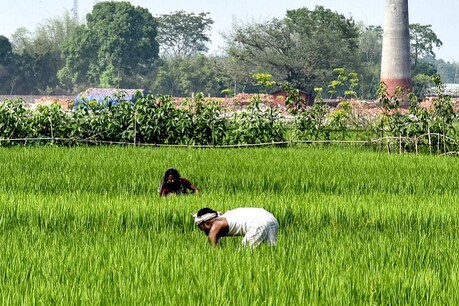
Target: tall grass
(86, 226)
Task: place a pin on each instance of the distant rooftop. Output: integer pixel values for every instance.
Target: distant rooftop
(449, 89)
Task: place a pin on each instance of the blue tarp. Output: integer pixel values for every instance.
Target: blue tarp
(107, 95)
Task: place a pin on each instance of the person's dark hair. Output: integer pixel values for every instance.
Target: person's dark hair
(204, 211)
(171, 171)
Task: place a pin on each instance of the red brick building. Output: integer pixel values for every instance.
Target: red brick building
(280, 96)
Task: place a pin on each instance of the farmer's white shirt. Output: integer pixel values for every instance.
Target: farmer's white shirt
(255, 224)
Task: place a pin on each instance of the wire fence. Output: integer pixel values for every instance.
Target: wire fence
(429, 142)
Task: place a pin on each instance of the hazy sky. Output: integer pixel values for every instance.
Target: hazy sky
(441, 14)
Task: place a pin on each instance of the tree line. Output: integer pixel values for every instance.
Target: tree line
(125, 46)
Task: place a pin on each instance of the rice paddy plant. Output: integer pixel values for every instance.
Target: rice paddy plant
(86, 226)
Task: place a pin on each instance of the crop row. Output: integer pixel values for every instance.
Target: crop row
(157, 120)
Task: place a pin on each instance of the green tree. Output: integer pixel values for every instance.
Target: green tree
(448, 71)
(20, 78)
(370, 52)
(421, 84)
(424, 66)
(184, 76)
(183, 34)
(238, 77)
(423, 40)
(50, 35)
(48, 41)
(38, 54)
(21, 40)
(302, 49)
(116, 47)
(6, 61)
(6, 50)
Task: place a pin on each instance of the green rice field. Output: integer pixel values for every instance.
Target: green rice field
(85, 226)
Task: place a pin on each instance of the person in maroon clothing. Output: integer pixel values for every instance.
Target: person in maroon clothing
(173, 184)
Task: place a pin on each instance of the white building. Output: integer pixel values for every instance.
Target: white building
(450, 89)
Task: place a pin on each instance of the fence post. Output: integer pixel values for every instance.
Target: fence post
(135, 126)
(444, 142)
(438, 142)
(400, 144)
(52, 132)
(430, 140)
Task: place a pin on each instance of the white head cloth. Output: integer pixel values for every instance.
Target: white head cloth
(205, 217)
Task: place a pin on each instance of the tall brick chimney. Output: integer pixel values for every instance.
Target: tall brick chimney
(395, 62)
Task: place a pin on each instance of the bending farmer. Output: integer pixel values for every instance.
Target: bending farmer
(255, 224)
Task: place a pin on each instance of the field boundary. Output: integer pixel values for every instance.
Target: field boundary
(393, 143)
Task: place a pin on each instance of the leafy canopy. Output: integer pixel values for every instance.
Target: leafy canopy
(117, 43)
(183, 34)
(302, 48)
